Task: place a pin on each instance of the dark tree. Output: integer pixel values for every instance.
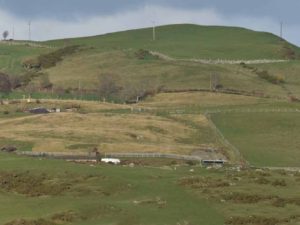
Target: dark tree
(215, 82)
(45, 82)
(107, 86)
(5, 34)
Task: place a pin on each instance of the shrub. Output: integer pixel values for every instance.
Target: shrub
(203, 182)
(5, 85)
(51, 59)
(262, 180)
(269, 77)
(289, 53)
(279, 202)
(191, 163)
(294, 99)
(281, 183)
(257, 220)
(144, 54)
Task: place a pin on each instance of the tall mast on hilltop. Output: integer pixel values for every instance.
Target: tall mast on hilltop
(29, 30)
(13, 32)
(281, 29)
(154, 31)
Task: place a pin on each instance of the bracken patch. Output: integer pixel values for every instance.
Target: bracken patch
(31, 185)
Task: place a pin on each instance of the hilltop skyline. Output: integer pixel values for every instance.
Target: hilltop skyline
(62, 19)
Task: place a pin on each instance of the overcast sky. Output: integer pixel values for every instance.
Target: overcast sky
(53, 19)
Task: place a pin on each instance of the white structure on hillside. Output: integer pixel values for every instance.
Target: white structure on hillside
(111, 161)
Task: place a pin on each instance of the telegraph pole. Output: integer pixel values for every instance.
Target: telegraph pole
(29, 30)
(13, 32)
(154, 31)
(281, 29)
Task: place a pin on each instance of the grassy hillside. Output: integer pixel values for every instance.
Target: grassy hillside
(167, 123)
(192, 41)
(264, 131)
(115, 54)
(85, 68)
(265, 139)
(66, 193)
(12, 56)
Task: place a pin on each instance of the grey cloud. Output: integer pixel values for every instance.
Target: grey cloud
(286, 10)
(71, 18)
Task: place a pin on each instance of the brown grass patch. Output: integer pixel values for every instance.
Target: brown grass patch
(203, 182)
(31, 185)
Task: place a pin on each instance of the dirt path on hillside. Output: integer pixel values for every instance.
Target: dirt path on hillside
(218, 61)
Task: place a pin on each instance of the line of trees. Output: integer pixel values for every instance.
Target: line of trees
(110, 86)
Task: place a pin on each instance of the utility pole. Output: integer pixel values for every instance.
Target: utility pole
(29, 30)
(281, 29)
(13, 32)
(154, 31)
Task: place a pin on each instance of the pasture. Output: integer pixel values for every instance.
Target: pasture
(68, 193)
(264, 139)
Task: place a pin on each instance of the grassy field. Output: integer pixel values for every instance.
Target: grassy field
(68, 193)
(184, 100)
(264, 139)
(112, 128)
(166, 123)
(12, 56)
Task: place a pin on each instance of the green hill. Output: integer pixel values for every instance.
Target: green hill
(12, 55)
(193, 41)
(116, 54)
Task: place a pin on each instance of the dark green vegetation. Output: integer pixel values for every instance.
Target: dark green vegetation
(56, 192)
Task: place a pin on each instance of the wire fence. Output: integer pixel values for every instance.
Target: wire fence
(93, 156)
(249, 110)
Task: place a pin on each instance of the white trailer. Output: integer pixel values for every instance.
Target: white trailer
(111, 161)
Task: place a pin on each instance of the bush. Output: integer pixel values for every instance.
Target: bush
(144, 54)
(246, 198)
(191, 163)
(5, 85)
(280, 183)
(51, 59)
(279, 202)
(294, 99)
(257, 220)
(271, 78)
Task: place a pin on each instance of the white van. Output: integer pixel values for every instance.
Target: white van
(111, 161)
